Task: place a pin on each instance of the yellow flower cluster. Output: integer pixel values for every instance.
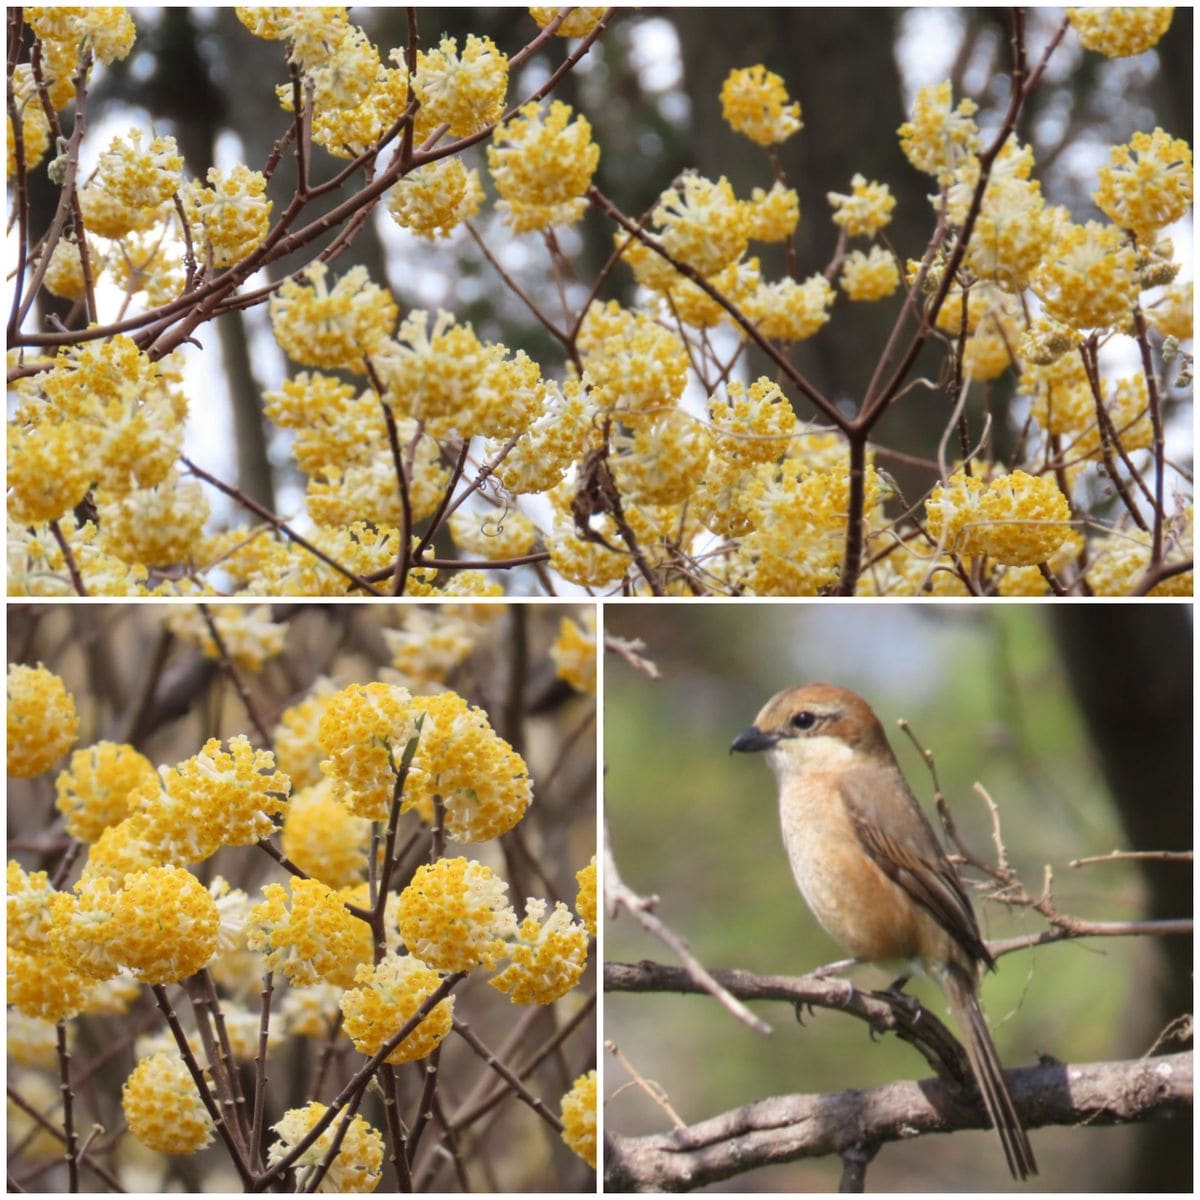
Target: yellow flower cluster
(358, 1164)
(130, 185)
(465, 91)
(164, 925)
(363, 731)
(482, 781)
(574, 652)
(579, 23)
(249, 635)
(866, 210)
(493, 535)
(755, 103)
(547, 958)
(28, 908)
(579, 1117)
(433, 199)
(1147, 184)
(386, 997)
(454, 915)
(163, 1109)
(1017, 519)
(1119, 32)
(1089, 278)
(789, 310)
(229, 218)
(701, 223)
(431, 643)
(634, 365)
(215, 798)
(324, 838)
(870, 276)
(41, 720)
(93, 792)
(585, 900)
(336, 327)
(937, 138)
(317, 938)
(542, 163)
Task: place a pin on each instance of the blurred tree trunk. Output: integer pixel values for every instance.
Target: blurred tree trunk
(1132, 676)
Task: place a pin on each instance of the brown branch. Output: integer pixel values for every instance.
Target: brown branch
(617, 896)
(789, 1128)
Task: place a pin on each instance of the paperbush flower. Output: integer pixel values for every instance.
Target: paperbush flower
(321, 326)
(364, 730)
(701, 223)
(579, 1117)
(93, 792)
(463, 91)
(35, 126)
(542, 163)
(454, 915)
(107, 30)
(754, 101)
(574, 652)
(752, 425)
(482, 781)
(1016, 519)
(1120, 32)
(432, 199)
(579, 23)
(159, 525)
(936, 138)
(297, 751)
(317, 938)
(122, 848)
(130, 185)
(215, 798)
(547, 958)
(431, 644)
(64, 273)
(789, 310)
(163, 1109)
(249, 635)
(1089, 277)
(870, 276)
(81, 927)
(28, 908)
(866, 210)
(44, 985)
(772, 216)
(324, 838)
(497, 535)
(585, 900)
(388, 995)
(230, 217)
(164, 925)
(358, 1164)
(49, 470)
(41, 720)
(1147, 184)
(540, 456)
(659, 461)
(635, 366)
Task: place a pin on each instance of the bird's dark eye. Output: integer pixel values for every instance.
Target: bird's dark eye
(804, 720)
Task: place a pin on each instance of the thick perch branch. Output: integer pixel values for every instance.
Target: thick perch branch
(786, 1128)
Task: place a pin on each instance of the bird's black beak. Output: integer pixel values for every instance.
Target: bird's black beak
(753, 739)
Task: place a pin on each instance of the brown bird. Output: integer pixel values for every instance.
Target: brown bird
(872, 870)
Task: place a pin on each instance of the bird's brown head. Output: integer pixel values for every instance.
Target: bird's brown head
(816, 721)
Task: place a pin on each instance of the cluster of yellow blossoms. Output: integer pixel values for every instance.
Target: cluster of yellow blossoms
(389, 401)
(139, 914)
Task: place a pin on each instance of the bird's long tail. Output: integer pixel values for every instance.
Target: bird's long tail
(961, 992)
